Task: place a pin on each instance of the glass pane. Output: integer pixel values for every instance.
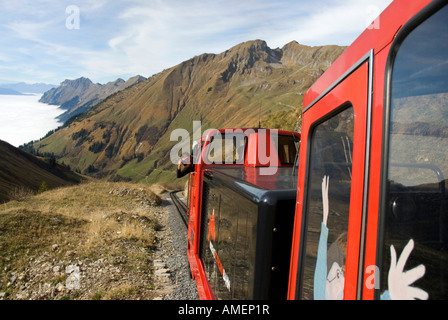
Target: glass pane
(227, 148)
(327, 207)
(416, 200)
(287, 149)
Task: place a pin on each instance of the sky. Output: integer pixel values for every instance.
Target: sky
(52, 40)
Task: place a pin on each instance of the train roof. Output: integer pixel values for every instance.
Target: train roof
(283, 178)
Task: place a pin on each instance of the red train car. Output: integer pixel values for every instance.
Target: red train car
(371, 216)
(365, 213)
(241, 211)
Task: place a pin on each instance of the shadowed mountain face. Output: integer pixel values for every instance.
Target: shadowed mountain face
(78, 96)
(128, 134)
(22, 172)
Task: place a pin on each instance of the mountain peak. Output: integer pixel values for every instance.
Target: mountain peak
(316, 57)
(254, 44)
(129, 132)
(83, 82)
(79, 95)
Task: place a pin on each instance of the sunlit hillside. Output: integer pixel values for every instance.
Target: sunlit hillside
(128, 135)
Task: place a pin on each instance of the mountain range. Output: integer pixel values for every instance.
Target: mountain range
(10, 92)
(24, 88)
(126, 135)
(77, 96)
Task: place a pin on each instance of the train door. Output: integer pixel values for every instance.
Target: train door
(413, 232)
(329, 209)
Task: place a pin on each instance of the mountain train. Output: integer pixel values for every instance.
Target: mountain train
(355, 205)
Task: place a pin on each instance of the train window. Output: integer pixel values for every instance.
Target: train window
(287, 149)
(327, 207)
(227, 148)
(415, 202)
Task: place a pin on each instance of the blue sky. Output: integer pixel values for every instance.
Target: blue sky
(42, 41)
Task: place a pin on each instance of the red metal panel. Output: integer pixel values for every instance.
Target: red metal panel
(378, 38)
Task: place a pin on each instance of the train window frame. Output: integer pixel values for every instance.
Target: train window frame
(331, 115)
(400, 38)
(295, 151)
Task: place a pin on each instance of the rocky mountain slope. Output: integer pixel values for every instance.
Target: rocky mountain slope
(128, 134)
(77, 96)
(23, 174)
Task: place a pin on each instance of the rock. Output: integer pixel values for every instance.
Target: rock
(138, 194)
(69, 253)
(162, 271)
(60, 287)
(73, 281)
(20, 296)
(71, 268)
(159, 264)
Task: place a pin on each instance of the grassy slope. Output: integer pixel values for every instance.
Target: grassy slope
(20, 170)
(87, 222)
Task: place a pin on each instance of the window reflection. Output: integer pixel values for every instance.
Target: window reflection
(328, 206)
(416, 202)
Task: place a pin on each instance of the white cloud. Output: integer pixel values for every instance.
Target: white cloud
(338, 22)
(161, 34)
(24, 118)
(118, 39)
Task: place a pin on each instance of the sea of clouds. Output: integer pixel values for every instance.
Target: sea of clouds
(24, 118)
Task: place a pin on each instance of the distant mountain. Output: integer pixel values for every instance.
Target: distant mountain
(77, 96)
(128, 134)
(21, 171)
(10, 92)
(23, 87)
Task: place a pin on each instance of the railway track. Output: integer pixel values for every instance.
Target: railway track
(180, 206)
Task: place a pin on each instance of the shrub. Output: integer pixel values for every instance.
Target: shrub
(42, 188)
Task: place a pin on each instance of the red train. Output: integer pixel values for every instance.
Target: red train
(362, 212)
(241, 212)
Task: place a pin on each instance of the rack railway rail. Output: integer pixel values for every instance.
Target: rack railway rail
(180, 206)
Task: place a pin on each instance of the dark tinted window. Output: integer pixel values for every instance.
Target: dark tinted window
(416, 216)
(327, 207)
(287, 149)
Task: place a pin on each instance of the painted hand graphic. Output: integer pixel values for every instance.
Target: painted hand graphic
(325, 185)
(400, 281)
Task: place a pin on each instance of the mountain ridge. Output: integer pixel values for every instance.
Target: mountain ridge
(10, 92)
(78, 95)
(24, 88)
(127, 135)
